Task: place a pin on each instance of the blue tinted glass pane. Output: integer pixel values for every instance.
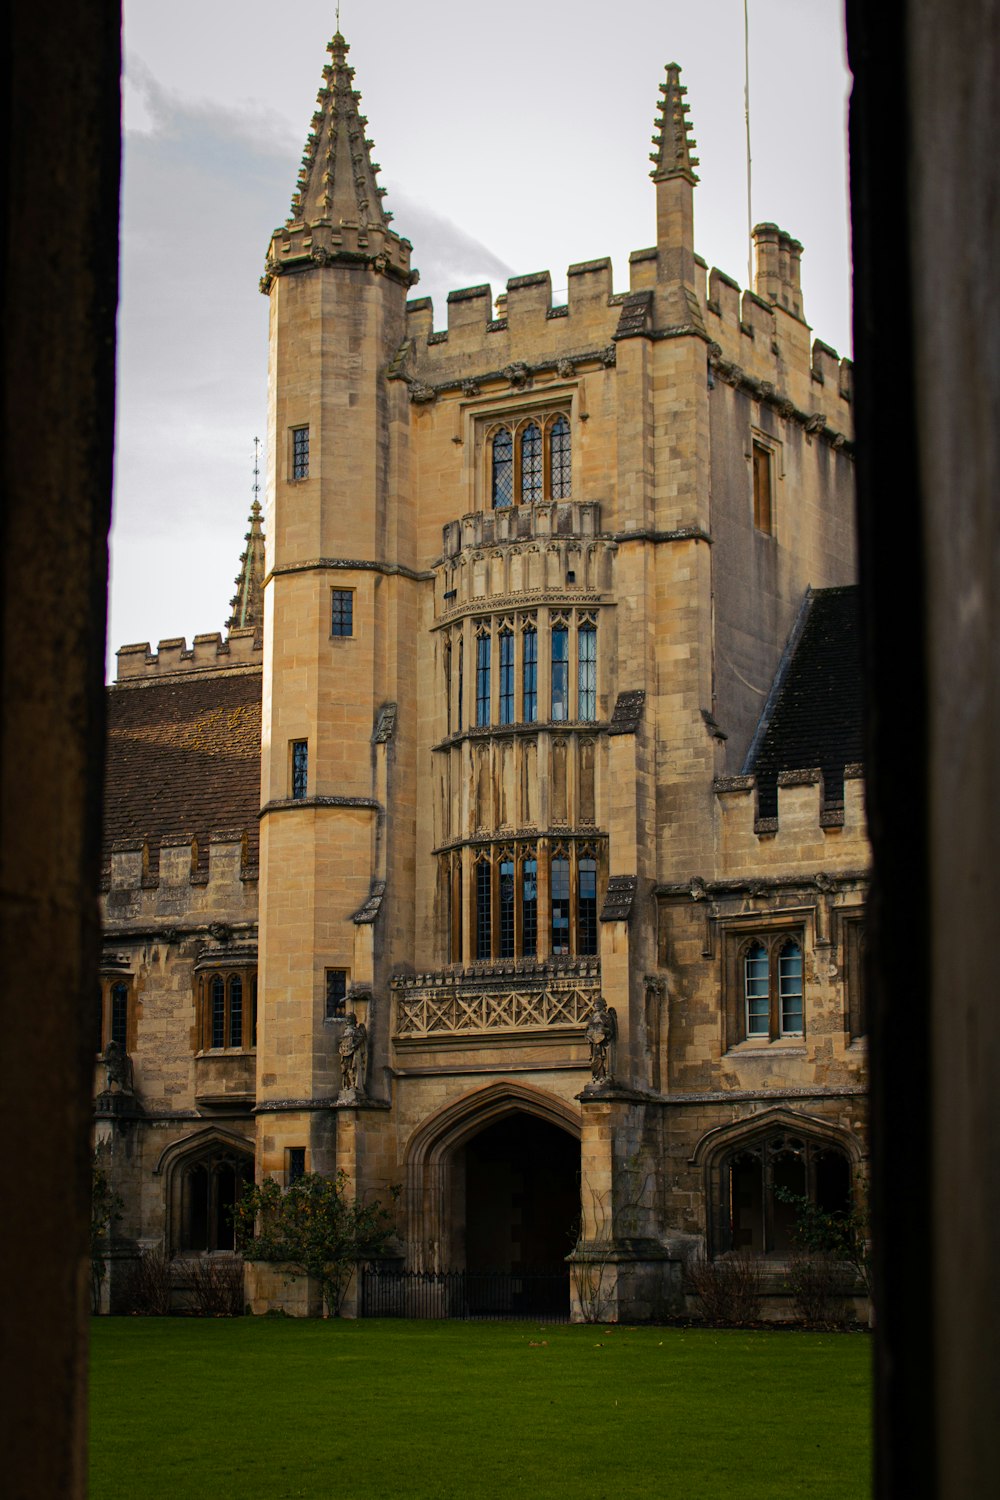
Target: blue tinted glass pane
(483, 680)
(506, 677)
(560, 906)
(531, 464)
(530, 681)
(218, 1012)
(587, 915)
(503, 470)
(560, 672)
(529, 907)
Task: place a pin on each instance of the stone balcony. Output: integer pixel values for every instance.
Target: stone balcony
(497, 1002)
(544, 521)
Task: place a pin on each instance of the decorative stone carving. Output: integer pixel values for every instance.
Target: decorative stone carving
(420, 393)
(618, 898)
(601, 1034)
(353, 1050)
(470, 387)
(117, 1069)
(518, 374)
(220, 932)
(816, 422)
(565, 369)
(609, 356)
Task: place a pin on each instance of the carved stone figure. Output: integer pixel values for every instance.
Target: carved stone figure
(353, 1049)
(118, 1069)
(600, 1034)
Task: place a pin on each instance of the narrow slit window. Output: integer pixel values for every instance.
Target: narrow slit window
(503, 469)
(296, 1164)
(300, 769)
(560, 459)
(529, 680)
(529, 907)
(218, 994)
(756, 990)
(300, 452)
(559, 871)
(235, 1011)
(507, 908)
(587, 681)
(484, 925)
(506, 676)
(587, 908)
(119, 1015)
(460, 723)
(531, 464)
(790, 989)
(483, 679)
(560, 672)
(762, 477)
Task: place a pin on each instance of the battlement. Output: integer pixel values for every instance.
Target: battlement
(208, 653)
(808, 826)
(181, 877)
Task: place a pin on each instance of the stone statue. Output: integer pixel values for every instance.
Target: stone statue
(118, 1069)
(601, 1033)
(353, 1049)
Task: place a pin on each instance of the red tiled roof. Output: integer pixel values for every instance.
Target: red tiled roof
(183, 759)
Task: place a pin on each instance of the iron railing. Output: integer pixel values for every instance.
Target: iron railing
(480, 1296)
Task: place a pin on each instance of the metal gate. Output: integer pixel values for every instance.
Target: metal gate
(486, 1296)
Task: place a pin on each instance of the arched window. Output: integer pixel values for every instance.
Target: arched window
(763, 1182)
(235, 1011)
(503, 469)
(209, 1188)
(484, 913)
(228, 1008)
(529, 674)
(483, 644)
(587, 671)
(559, 459)
(560, 670)
(506, 675)
(531, 464)
(218, 993)
(529, 904)
(771, 999)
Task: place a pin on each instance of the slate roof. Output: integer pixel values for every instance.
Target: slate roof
(814, 716)
(183, 759)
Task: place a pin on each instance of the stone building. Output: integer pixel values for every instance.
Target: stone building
(543, 711)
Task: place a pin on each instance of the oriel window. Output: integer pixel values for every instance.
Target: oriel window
(530, 461)
(529, 674)
(507, 906)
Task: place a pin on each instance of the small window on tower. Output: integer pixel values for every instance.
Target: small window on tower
(300, 452)
(336, 992)
(296, 1164)
(762, 488)
(342, 612)
(299, 754)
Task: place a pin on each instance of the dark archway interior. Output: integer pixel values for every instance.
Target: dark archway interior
(522, 1196)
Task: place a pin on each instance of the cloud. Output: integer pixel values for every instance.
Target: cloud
(204, 187)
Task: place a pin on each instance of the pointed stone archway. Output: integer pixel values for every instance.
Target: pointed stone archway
(493, 1182)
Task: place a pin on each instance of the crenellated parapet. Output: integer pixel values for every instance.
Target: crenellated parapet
(552, 550)
(808, 827)
(144, 880)
(207, 653)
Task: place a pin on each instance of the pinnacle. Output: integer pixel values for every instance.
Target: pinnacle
(673, 141)
(247, 603)
(336, 182)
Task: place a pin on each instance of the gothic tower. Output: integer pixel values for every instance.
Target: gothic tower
(339, 613)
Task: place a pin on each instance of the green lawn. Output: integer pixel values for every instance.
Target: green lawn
(264, 1409)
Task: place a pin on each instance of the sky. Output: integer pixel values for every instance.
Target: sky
(512, 139)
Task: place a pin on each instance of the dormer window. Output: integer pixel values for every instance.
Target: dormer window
(530, 460)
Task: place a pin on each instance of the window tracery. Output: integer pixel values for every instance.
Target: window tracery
(522, 890)
(530, 460)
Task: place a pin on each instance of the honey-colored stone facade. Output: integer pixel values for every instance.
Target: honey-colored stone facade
(506, 719)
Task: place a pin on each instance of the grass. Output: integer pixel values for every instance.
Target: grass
(264, 1409)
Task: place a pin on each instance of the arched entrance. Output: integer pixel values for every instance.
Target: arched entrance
(493, 1183)
(522, 1196)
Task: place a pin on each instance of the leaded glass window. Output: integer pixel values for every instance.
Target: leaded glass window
(484, 925)
(529, 678)
(503, 469)
(587, 907)
(300, 768)
(342, 612)
(560, 672)
(300, 452)
(529, 907)
(336, 992)
(506, 676)
(531, 464)
(560, 464)
(483, 679)
(235, 1011)
(756, 990)
(507, 907)
(218, 994)
(790, 989)
(587, 672)
(119, 1015)
(559, 877)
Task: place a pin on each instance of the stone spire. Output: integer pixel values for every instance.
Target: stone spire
(337, 177)
(337, 216)
(247, 603)
(672, 157)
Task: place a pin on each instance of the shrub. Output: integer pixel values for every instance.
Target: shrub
(815, 1282)
(314, 1228)
(105, 1212)
(150, 1283)
(217, 1286)
(730, 1288)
